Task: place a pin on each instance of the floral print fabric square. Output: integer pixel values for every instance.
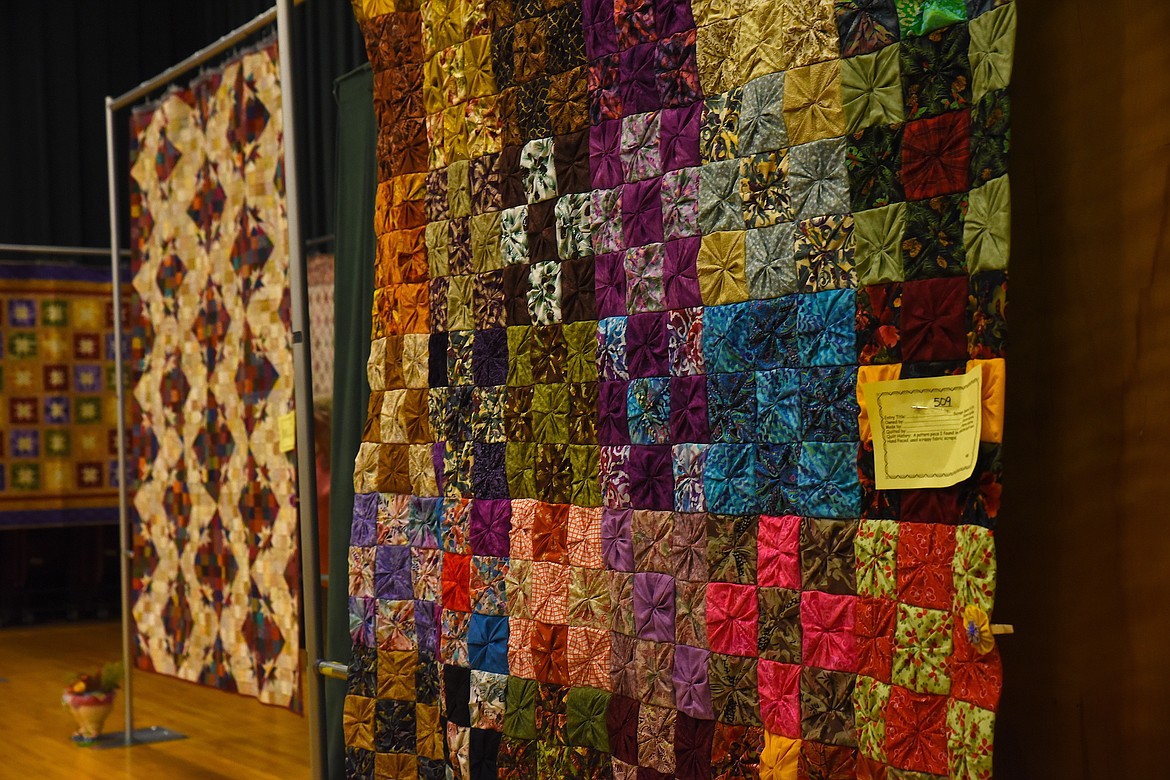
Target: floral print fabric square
(632, 268)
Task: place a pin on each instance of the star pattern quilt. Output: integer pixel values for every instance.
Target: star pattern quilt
(616, 511)
(216, 573)
(58, 401)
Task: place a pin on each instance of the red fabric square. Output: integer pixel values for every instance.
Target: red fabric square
(621, 720)
(826, 762)
(457, 582)
(916, 736)
(549, 653)
(934, 319)
(870, 769)
(732, 619)
(936, 155)
(931, 505)
(975, 678)
(827, 621)
(875, 621)
(780, 698)
(779, 552)
(925, 552)
(549, 533)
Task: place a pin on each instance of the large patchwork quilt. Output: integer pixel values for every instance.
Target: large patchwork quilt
(216, 571)
(616, 511)
(58, 396)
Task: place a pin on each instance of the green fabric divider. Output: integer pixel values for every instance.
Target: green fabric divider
(357, 183)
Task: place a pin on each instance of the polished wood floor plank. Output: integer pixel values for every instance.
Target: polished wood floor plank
(228, 736)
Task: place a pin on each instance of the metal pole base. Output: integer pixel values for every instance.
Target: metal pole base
(116, 739)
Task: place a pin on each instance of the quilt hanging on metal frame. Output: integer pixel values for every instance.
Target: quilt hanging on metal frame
(616, 510)
(216, 570)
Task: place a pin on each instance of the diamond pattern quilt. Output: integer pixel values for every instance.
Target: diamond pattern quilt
(58, 402)
(216, 573)
(616, 511)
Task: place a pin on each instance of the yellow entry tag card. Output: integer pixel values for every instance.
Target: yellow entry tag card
(288, 432)
(925, 431)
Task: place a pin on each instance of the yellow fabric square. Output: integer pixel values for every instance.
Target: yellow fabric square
(709, 11)
(866, 374)
(994, 389)
(484, 134)
(780, 757)
(459, 304)
(713, 46)
(454, 134)
(810, 29)
(358, 722)
(459, 188)
(391, 417)
(812, 103)
(434, 100)
(396, 674)
(438, 237)
(365, 469)
(429, 736)
(722, 268)
(416, 359)
(762, 44)
(485, 242)
(422, 471)
(395, 766)
(382, 198)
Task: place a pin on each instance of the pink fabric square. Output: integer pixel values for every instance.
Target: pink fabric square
(520, 537)
(732, 619)
(826, 622)
(778, 562)
(520, 648)
(588, 657)
(584, 537)
(550, 592)
(780, 698)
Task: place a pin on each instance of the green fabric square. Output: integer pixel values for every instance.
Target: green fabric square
(520, 467)
(487, 422)
(520, 355)
(583, 413)
(974, 567)
(458, 459)
(933, 246)
(878, 235)
(993, 44)
(550, 413)
(586, 718)
(520, 708)
(876, 548)
(437, 238)
(922, 645)
(459, 188)
(552, 760)
(436, 412)
(459, 316)
(581, 344)
(870, 698)
(57, 443)
(22, 344)
(731, 548)
(485, 242)
(970, 736)
(55, 313)
(779, 637)
(987, 231)
(735, 690)
(871, 89)
(26, 476)
(584, 488)
(88, 410)
(919, 17)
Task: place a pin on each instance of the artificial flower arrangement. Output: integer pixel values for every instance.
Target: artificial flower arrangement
(90, 697)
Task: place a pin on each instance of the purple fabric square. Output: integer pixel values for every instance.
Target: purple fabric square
(680, 273)
(613, 473)
(646, 344)
(489, 357)
(688, 410)
(364, 532)
(678, 141)
(605, 159)
(609, 280)
(638, 90)
(672, 16)
(600, 32)
(617, 539)
(692, 689)
(642, 212)
(426, 627)
(392, 572)
(651, 477)
(491, 520)
(488, 477)
(437, 456)
(605, 98)
(612, 421)
(654, 606)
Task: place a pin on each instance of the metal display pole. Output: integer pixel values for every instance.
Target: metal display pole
(314, 685)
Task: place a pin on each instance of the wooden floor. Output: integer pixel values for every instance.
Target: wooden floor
(228, 736)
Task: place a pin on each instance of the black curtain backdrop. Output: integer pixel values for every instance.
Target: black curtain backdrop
(353, 292)
(58, 61)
